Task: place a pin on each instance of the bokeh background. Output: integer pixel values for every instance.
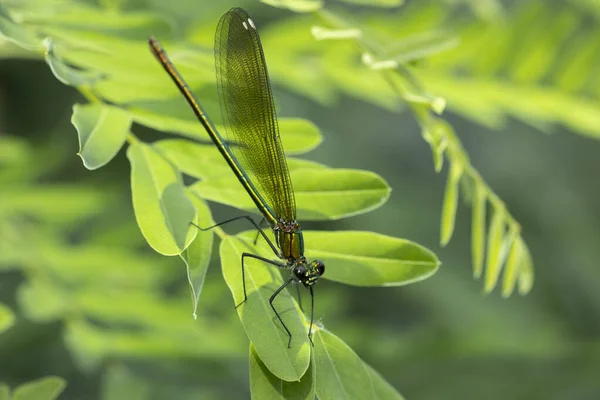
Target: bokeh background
(97, 307)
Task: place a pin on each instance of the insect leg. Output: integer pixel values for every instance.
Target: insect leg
(257, 226)
(257, 257)
(275, 311)
(312, 315)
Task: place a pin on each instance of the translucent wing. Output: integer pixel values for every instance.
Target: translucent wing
(249, 111)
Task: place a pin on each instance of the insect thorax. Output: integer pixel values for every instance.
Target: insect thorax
(290, 241)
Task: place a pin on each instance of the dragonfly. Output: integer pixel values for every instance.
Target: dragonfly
(255, 154)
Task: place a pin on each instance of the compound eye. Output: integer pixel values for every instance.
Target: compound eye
(300, 271)
(320, 268)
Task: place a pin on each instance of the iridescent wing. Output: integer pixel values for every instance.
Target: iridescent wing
(248, 111)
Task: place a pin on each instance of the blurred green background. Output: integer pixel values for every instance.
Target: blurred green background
(97, 307)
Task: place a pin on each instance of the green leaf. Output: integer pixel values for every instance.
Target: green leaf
(56, 203)
(102, 130)
(197, 255)
(78, 18)
(376, 3)
(63, 72)
(199, 161)
(16, 33)
(128, 62)
(43, 302)
(320, 193)
(450, 202)
(4, 392)
(478, 230)
(167, 121)
(370, 259)
(205, 161)
(526, 275)
(130, 74)
(258, 319)
(162, 209)
(488, 102)
(164, 329)
(299, 135)
(127, 90)
(265, 386)
(363, 258)
(341, 374)
(511, 269)
(382, 390)
(98, 266)
(48, 388)
(301, 163)
(300, 6)
(436, 135)
(7, 318)
(494, 250)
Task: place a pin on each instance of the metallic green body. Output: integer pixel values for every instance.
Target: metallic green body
(291, 245)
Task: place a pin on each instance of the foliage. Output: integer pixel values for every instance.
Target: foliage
(164, 205)
(531, 84)
(388, 59)
(48, 388)
(7, 318)
(391, 80)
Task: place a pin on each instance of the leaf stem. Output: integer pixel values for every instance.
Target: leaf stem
(220, 232)
(132, 139)
(89, 95)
